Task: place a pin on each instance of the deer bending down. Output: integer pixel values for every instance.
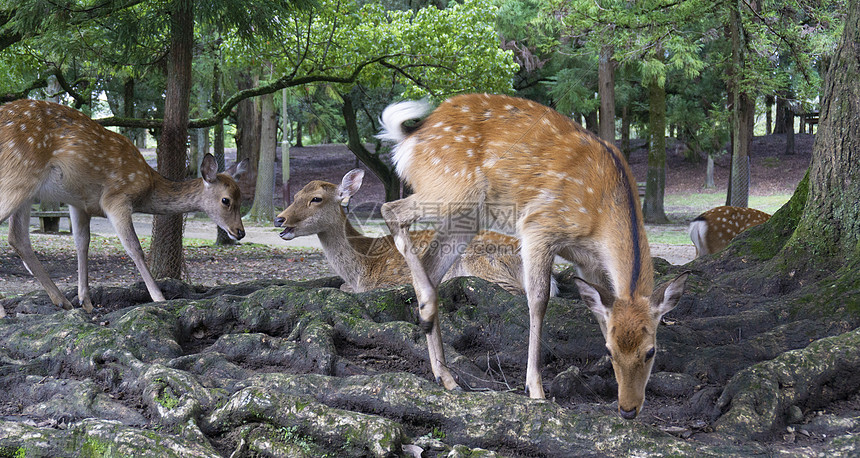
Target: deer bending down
(367, 263)
(716, 228)
(573, 195)
(55, 153)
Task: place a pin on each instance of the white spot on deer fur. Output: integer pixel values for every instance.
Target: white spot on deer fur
(589, 190)
(30, 140)
(458, 138)
(464, 108)
(438, 124)
(447, 128)
(470, 152)
(583, 210)
(435, 161)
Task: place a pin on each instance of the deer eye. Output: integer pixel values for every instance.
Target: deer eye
(650, 353)
(225, 201)
(316, 200)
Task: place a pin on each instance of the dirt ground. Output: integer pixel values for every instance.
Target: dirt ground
(773, 172)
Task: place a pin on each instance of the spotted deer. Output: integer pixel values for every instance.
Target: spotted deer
(716, 228)
(55, 153)
(367, 263)
(573, 195)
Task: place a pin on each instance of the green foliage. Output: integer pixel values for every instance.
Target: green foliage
(431, 51)
(167, 399)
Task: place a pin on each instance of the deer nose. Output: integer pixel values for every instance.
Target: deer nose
(279, 221)
(628, 414)
(239, 234)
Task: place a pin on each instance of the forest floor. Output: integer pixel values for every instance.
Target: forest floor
(263, 255)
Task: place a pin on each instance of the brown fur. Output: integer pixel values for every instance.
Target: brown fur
(55, 153)
(714, 229)
(572, 195)
(367, 263)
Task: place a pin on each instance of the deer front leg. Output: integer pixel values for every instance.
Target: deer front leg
(537, 266)
(122, 223)
(81, 232)
(19, 238)
(399, 215)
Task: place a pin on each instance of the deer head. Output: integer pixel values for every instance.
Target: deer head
(630, 330)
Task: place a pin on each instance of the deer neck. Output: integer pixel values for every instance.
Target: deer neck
(169, 197)
(342, 245)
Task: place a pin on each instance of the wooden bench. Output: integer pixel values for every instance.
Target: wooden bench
(49, 220)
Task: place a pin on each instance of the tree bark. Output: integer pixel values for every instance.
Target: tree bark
(779, 115)
(768, 107)
(743, 109)
(263, 209)
(655, 186)
(830, 224)
(248, 125)
(167, 257)
(625, 132)
(606, 93)
(390, 180)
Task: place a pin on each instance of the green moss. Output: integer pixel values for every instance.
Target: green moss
(95, 448)
(167, 399)
(12, 452)
(767, 240)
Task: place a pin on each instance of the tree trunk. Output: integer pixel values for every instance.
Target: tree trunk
(709, 173)
(167, 255)
(390, 180)
(789, 132)
(625, 132)
(655, 186)
(606, 90)
(768, 107)
(263, 209)
(591, 122)
(830, 224)
(221, 237)
(779, 112)
(248, 125)
(742, 109)
(285, 148)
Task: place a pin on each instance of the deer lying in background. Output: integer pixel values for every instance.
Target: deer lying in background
(573, 195)
(55, 153)
(716, 228)
(367, 263)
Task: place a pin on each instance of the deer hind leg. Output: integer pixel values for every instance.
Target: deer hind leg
(128, 237)
(19, 238)
(426, 275)
(537, 265)
(81, 232)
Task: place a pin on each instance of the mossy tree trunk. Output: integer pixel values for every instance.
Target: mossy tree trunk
(167, 256)
(830, 225)
(655, 186)
(818, 232)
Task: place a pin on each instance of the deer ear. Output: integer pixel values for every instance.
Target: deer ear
(209, 168)
(597, 299)
(349, 185)
(667, 295)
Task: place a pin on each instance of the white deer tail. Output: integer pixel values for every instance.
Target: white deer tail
(396, 114)
(698, 232)
(392, 119)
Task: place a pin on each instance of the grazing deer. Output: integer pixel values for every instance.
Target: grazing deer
(573, 195)
(713, 230)
(367, 263)
(55, 153)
